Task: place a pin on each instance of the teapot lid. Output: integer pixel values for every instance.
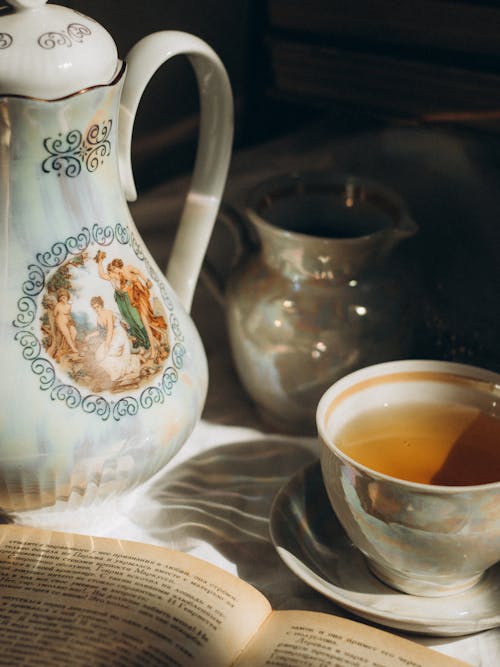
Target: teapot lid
(50, 51)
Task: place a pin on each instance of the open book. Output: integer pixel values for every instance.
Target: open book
(76, 600)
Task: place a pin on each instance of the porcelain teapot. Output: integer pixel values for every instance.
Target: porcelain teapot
(104, 375)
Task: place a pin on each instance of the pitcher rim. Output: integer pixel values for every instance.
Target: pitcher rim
(402, 225)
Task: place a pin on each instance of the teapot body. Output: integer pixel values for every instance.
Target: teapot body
(104, 374)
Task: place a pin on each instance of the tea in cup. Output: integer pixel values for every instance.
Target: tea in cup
(410, 457)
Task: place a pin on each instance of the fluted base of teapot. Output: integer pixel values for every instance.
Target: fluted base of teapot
(109, 516)
(24, 493)
(94, 507)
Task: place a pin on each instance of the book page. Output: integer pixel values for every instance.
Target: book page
(314, 639)
(77, 600)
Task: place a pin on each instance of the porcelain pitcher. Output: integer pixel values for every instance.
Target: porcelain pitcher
(104, 375)
(317, 295)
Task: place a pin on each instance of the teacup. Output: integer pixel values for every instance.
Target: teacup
(427, 529)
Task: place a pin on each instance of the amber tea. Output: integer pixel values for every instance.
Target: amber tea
(430, 443)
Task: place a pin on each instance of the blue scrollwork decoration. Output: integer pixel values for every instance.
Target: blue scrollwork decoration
(58, 253)
(122, 235)
(26, 308)
(170, 377)
(103, 236)
(5, 40)
(35, 283)
(76, 244)
(68, 154)
(45, 370)
(137, 248)
(127, 406)
(53, 257)
(97, 405)
(178, 352)
(175, 326)
(30, 344)
(150, 396)
(68, 394)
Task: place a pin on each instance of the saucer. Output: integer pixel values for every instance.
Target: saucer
(312, 543)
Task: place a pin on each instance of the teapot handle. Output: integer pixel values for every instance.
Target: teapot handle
(213, 152)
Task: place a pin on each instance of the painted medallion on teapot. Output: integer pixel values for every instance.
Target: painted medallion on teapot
(97, 325)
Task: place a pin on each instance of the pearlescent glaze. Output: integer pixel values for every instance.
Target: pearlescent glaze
(420, 538)
(312, 543)
(318, 297)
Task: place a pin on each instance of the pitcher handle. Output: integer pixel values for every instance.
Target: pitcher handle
(213, 152)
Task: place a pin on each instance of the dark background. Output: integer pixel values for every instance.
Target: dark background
(166, 125)
(411, 92)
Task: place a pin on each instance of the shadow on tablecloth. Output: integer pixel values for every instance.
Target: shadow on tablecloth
(220, 500)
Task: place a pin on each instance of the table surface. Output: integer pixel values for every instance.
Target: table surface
(213, 499)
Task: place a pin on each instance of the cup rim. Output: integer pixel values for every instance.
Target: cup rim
(462, 372)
